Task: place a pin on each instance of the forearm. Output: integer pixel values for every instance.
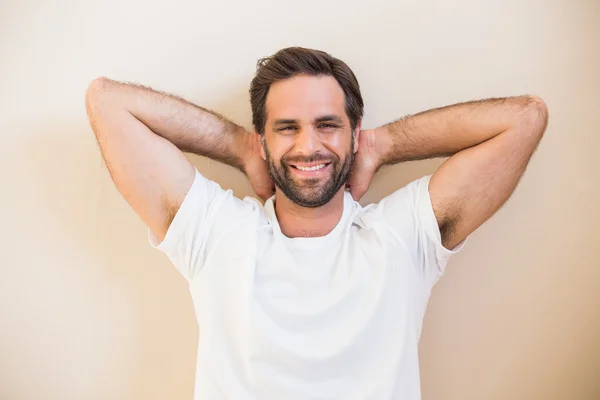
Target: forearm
(442, 132)
(189, 127)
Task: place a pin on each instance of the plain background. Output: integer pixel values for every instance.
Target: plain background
(90, 311)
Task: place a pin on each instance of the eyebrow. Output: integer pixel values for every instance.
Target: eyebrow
(324, 118)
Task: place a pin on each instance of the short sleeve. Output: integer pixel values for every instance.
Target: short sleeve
(409, 213)
(206, 211)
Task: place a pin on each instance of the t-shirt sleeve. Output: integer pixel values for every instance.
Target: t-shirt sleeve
(409, 213)
(206, 212)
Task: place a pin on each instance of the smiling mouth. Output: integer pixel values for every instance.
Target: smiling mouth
(311, 168)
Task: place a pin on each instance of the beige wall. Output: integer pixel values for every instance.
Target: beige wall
(90, 311)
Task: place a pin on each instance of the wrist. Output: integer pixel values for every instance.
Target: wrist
(247, 149)
(380, 145)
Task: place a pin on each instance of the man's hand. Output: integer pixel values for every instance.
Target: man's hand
(255, 169)
(366, 162)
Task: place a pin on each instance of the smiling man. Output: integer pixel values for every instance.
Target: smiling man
(311, 295)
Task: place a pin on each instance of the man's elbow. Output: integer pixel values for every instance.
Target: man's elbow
(95, 97)
(536, 114)
(531, 116)
(96, 89)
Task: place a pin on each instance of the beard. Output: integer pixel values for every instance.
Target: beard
(310, 192)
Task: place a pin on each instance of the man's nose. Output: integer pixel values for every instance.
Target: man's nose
(308, 141)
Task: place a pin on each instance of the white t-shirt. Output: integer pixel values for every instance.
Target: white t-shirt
(332, 317)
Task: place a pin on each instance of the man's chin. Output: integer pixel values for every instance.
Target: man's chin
(310, 197)
(309, 187)
(310, 202)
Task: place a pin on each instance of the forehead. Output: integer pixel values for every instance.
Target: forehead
(305, 97)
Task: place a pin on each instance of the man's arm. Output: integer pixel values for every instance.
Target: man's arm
(490, 143)
(142, 133)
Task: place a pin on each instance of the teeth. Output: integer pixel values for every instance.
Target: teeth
(316, 167)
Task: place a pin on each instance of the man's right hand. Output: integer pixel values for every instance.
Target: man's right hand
(255, 169)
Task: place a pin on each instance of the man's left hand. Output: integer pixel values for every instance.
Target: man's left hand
(366, 162)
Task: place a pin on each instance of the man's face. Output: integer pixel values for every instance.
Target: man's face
(308, 143)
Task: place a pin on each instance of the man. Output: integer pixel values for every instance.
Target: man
(310, 296)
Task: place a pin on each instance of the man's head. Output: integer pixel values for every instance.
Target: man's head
(307, 109)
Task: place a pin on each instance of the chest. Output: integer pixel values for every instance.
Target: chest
(359, 283)
(314, 315)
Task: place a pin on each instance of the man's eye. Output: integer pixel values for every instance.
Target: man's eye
(327, 126)
(287, 128)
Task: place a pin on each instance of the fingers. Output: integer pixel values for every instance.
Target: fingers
(358, 186)
(357, 192)
(266, 192)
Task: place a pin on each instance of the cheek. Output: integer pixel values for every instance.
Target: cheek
(340, 145)
(279, 149)
(274, 157)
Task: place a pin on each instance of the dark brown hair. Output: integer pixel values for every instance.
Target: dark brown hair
(292, 61)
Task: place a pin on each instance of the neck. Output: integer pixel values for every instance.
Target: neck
(298, 221)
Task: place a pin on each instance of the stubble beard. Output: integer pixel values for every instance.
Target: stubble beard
(310, 193)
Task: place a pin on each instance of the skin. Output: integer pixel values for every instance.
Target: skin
(306, 126)
(142, 134)
(489, 144)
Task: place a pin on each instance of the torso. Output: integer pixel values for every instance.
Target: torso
(308, 318)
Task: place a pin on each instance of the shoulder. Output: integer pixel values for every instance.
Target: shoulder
(401, 203)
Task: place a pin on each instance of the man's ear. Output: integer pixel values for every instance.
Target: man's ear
(261, 143)
(357, 135)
